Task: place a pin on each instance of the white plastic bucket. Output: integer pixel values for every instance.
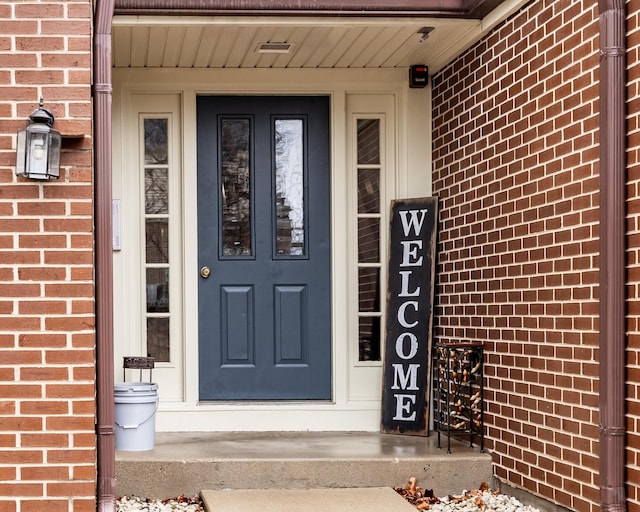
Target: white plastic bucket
(135, 412)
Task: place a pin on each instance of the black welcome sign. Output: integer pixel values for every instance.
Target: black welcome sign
(408, 340)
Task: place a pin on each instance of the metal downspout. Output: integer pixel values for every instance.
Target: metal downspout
(105, 429)
(612, 254)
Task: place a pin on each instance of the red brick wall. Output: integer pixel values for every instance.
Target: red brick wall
(47, 406)
(633, 259)
(516, 168)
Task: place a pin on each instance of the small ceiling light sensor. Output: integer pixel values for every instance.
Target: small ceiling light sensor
(275, 47)
(418, 75)
(424, 34)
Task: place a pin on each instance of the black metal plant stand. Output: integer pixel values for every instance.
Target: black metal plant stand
(458, 391)
(138, 363)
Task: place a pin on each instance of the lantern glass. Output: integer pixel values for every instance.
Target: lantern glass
(21, 153)
(55, 143)
(38, 158)
(38, 147)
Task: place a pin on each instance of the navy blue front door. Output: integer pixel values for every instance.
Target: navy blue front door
(264, 248)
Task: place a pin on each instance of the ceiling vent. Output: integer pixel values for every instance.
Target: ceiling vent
(274, 47)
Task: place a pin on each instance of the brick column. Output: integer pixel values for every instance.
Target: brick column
(47, 334)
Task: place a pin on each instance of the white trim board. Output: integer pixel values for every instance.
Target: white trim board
(356, 386)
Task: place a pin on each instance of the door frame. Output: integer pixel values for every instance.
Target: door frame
(356, 386)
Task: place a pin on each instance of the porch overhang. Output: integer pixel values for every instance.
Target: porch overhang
(471, 9)
(323, 34)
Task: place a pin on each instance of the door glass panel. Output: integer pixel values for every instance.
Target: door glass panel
(155, 141)
(368, 240)
(157, 240)
(235, 191)
(369, 338)
(368, 141)
(368, 293)
(158, 338)
(157, 290)
(156, 191)
(289, 181)
(368, 191)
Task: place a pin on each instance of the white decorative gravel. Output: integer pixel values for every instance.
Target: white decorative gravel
(472, 501)
(137, 504)
(483, 501)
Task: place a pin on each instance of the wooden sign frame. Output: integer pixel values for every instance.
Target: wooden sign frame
(409, 316)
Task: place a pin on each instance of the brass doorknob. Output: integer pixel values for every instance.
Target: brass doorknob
(205, 272)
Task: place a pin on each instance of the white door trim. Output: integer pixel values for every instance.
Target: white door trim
(356, 387)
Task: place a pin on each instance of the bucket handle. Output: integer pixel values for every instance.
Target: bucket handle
(126, 427)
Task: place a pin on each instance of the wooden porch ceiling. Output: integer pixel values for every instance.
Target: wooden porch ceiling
(223, 42)
(319, 34)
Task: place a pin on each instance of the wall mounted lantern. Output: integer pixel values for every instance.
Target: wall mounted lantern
(38, 147)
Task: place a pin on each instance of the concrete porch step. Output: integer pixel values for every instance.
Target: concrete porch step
(376, 499)
(188, 462)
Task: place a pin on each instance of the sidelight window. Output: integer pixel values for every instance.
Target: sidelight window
(369, 219)
(156, 232)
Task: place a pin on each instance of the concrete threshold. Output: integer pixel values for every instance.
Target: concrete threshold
(188, 462)
(382, 499)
